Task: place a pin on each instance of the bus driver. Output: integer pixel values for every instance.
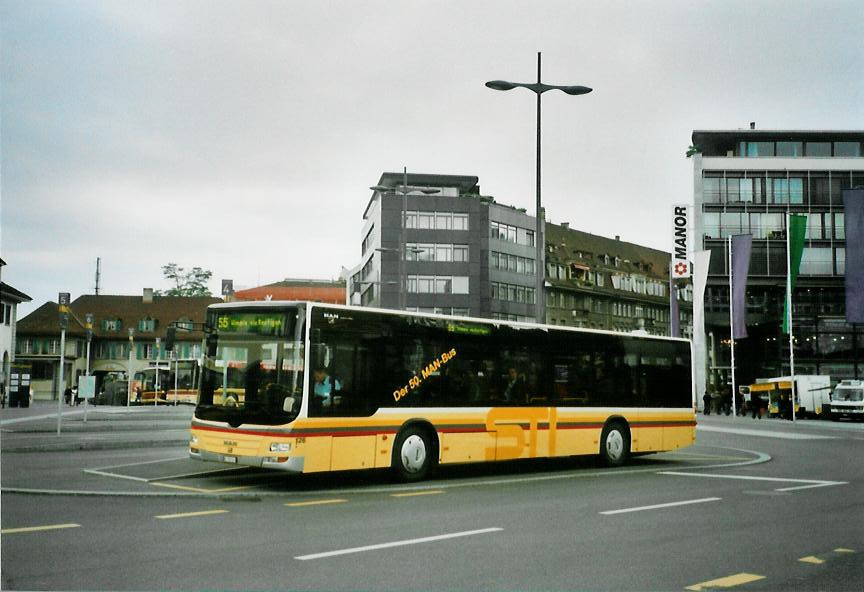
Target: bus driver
(325, 388)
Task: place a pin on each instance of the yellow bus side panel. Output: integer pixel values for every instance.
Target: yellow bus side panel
(352, 452)
(383, 450)
(316, 453)
(646, 439)
(678, 437)
(576, 442)
(459, 447)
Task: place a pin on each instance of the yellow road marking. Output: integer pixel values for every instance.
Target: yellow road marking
(201, 489)
(842, 550)
(38, 528)
(191, 514)
(315, 503)
(812, 559)
(727, 582)
(415, 493)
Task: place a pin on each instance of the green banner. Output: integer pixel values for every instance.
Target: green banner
(797, 230)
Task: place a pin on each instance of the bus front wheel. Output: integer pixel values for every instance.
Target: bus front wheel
(615, 444)
(413, 454)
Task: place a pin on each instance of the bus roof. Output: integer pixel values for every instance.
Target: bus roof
(389, 311)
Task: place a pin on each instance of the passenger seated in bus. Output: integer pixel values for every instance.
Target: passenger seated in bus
(325, 388)
(515, 390)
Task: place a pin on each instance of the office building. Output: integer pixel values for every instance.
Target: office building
(438, 245)
(745, 182)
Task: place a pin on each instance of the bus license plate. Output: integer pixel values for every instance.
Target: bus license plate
(229, 459)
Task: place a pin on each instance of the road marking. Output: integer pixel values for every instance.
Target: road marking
(315, 503)
(727, 582)
(658, 506)
(404, 543)
(202, 489)
(812, 559)
(842, 550)
(38, 528)
(811, 483)
(190, 514)
(416, 493)
(765, 433)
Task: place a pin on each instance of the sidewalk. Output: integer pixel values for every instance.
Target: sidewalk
(34, 429)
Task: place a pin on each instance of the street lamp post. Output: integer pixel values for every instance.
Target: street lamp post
(539, 88)
(404, 191)
(129, 377)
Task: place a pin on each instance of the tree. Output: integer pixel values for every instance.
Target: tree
(186, 283)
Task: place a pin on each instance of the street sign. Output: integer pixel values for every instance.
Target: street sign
(86, 387)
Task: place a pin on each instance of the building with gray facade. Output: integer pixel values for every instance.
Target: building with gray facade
(745, 182)
(437, 245)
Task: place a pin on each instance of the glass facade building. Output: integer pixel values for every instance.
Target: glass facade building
(746, 182)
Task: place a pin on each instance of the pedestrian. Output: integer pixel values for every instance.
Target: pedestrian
(706, 400)
(3, 395)
(67, 395)
(756, 405)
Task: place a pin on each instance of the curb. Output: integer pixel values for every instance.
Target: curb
(78, 446)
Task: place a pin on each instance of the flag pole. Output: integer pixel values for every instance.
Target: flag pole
(731, 326)
(789, 307)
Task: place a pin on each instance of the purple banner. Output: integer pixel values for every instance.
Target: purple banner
(853, 202)
(741, 244)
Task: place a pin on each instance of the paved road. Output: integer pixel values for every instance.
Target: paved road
(754, 505)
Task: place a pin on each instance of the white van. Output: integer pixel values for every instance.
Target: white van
(847, 400)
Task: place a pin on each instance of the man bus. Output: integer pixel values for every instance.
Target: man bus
(408, 391)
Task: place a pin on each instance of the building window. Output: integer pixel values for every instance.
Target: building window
(112, 324)
(148, 351)
(426, 220)
(847, 149)
(460, 221)
(147, 325)
(790, 149)
(817, 261)
(460, 253)
(367, 242)
(443, 221)
(818, 149)
(431, 284)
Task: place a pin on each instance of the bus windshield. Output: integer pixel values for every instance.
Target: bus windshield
(253, 370)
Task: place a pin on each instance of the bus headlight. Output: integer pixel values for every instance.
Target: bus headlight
(193, 440)
(280, 447)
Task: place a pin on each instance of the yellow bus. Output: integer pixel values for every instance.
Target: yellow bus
(309, 387)
(146, 388)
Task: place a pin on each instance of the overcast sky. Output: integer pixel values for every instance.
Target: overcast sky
(242, 137)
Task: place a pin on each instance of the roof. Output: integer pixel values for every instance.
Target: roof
(718, 141)
(568, 242)
(297, 289)
(127, 309)
(465, 183)
(10, 294)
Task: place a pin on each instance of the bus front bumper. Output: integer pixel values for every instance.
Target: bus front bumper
(291, 464)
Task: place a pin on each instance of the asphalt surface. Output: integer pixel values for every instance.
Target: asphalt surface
(754, 505)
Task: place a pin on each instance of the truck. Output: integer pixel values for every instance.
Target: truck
(847, 400)
(812, 394)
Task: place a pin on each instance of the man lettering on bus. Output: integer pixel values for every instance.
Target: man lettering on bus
(325, 387)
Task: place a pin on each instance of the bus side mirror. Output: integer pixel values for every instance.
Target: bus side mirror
(211, 346)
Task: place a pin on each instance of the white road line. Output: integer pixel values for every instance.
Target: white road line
(404, 543)
(810, 482)
(146, 462)
(659, 506)
(765, 433)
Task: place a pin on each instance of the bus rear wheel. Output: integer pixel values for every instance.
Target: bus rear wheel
(615, 444)
(413, 454)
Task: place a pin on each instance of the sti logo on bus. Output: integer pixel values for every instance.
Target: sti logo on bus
(680, 263)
